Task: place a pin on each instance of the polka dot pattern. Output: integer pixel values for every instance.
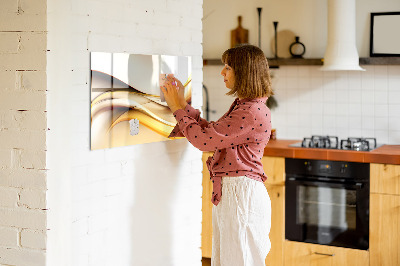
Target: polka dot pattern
(238, 139)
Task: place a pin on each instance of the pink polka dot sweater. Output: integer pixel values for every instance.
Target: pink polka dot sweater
(238, 139)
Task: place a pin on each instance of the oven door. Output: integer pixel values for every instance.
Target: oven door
(327, 213)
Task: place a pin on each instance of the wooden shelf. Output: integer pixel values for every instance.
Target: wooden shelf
(380, 61)
(274, 63)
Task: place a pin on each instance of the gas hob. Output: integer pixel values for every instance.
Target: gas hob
(332, 142)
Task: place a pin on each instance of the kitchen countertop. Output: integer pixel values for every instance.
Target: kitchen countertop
(389, 154)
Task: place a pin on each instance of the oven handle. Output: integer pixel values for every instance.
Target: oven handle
(357, 185)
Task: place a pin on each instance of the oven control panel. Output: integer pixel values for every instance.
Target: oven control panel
(338, 169)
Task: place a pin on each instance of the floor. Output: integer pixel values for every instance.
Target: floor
(206, 261)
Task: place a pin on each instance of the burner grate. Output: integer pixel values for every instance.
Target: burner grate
(332, 142)
(327, 142)
(358, 144)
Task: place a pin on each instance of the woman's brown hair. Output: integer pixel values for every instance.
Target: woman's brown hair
(250, 66)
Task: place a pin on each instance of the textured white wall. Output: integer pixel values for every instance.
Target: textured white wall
(306, 18)
(23, 133)
(134, 205)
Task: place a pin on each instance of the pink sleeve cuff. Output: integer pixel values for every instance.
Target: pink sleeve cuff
(179, 114)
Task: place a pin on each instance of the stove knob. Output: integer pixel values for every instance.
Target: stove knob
(308, 166)
(343, 168)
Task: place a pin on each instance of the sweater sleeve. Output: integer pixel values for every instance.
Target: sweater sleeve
(193, 113)
(229, 131)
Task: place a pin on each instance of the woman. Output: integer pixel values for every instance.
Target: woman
(242, 208)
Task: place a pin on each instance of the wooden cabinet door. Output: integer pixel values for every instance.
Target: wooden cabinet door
(384, 237)
(274, 168)
(304, 254)
(385, 178)
(206, 226)
(277, 233)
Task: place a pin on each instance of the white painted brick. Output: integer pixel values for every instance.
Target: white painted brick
(196, 37)
(31, 80)
(33, 42)
(9, 42)
(197, 74)
(35, 120)
(15, 158)
(33, 159)
(22, 100)
(191, 48)
(163, 47)
(196, 10)
(154, 32)
(24, 22)
(8, 237)
(23, 218)
(97, 172)
(17, 256)
(7, 80)
(33, 199)
(79, 175)
(33, 7)
(23, 178)
(22, 139)
(178, 7)
(114, 186)
(133, 44)
(168, 19)
(31, 53)
(150, 6)
(8, 197)
(80, 227)
(197, 61)
(192, 23)
(102, 42)
(180, 35)
(5, 158)
(98, 222)
(8, 6)
(33, 239)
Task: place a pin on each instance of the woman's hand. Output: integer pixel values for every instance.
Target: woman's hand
(180, 88)
(181, 91)
(173, 94)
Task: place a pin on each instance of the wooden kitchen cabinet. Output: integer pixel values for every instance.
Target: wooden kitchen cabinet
(385, 215)
(277, 233)
(206, 226)
(384, 236)
(385, 178)
(305, 254)
(274, 168)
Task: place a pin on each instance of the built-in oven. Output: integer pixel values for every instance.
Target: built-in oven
(327, 202)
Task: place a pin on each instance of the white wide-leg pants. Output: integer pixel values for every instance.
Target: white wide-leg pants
(241, 223)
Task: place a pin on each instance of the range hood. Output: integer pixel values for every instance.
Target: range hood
(341, 51)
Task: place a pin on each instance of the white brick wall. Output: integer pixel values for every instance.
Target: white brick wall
(23, 132)
(134, 205)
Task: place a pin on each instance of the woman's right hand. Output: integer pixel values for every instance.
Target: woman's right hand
(181, 90)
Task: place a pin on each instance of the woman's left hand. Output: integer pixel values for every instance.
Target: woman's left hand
(171, 96)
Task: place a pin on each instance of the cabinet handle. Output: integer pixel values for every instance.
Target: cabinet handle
(324, 254)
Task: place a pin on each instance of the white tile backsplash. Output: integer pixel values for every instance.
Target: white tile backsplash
(345, 103)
